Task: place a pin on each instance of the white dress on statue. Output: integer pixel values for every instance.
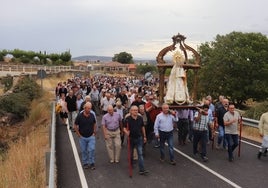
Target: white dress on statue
(177, 90)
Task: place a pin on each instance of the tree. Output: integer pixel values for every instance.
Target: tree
(142, 69)
(123, 57)
(17, 53)
(3, 53)
(235, 65)
(54, 57)
(65, 56)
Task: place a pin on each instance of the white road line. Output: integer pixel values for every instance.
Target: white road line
(208, 169)
(246, 142)
(83, 178)
(77, 159)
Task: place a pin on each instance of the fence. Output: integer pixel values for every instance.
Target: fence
(250, 122)
(32, 69)
(50, 156)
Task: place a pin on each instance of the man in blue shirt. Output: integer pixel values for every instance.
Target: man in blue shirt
(163, 129)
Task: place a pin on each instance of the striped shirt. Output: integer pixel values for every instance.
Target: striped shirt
(202, 124)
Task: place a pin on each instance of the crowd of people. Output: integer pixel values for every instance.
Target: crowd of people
(129, 107)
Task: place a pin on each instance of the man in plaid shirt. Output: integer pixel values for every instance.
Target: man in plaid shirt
(200, 128)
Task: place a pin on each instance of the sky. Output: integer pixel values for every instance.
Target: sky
(139, 27)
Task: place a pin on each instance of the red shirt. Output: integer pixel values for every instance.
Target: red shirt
(154, 112)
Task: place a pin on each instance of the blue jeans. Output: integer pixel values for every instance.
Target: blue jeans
(166, 136)
(221, 136)
(138, 143)
(232, 140)
(87, 145)
(200, 136)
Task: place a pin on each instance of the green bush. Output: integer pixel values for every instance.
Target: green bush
(25, 59)
(19, 101)
(16, 103)
(142, 69)
(257, 110)
(29, 87)
(7, 82)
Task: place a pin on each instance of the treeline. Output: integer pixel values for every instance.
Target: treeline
(38, 58)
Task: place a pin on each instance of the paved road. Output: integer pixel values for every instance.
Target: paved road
(245, 171)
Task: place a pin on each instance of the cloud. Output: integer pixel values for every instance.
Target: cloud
(139, 27)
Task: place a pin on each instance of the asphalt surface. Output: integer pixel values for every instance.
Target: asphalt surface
(244, 171)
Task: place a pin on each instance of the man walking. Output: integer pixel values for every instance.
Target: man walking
(85, 128)
(221, 128)
(112, 127)
(72, 108)
(184, 117)
(231, 120)
(201, 125)
(94, 95)
(263, 129)
(163, 129)
(134, 128)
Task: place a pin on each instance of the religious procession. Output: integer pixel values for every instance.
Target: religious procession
(138, 113)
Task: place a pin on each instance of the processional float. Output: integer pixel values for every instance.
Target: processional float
(177, 95)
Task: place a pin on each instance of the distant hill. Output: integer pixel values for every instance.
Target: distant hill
(94, 58)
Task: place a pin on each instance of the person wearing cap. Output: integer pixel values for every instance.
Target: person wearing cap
(201, 125)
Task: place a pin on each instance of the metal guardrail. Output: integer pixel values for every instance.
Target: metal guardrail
(50, 156)
(250, 122)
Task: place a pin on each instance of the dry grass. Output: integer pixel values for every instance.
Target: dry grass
(1, 91)
(24, 164)
(49, 84)
(251, 133)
